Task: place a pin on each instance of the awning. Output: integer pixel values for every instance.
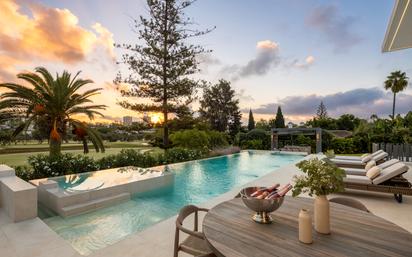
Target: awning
(399, 32)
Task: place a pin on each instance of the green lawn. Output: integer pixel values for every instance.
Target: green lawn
(24, 151)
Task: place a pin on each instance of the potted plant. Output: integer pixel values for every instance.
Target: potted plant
(321, 177)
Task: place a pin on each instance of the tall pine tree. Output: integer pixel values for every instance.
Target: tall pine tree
(161, 67)
(321, 113)
(279, 120)
(251, 121)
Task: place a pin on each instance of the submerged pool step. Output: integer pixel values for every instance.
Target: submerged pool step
(94, 204)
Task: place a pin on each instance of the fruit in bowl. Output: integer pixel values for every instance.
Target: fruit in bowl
(264, 200)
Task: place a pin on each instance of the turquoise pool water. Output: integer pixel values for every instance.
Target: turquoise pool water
(195, 182)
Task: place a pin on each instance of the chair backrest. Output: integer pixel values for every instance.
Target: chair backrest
(349, 202)
(387, 164)
(377, 152)
(185, 212)
(390, 172)
(380, 156)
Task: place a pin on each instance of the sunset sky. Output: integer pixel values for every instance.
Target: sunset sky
(294, 53)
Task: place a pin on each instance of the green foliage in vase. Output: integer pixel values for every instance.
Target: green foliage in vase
(321, 177)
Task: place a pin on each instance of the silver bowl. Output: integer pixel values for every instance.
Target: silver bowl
(261, 207)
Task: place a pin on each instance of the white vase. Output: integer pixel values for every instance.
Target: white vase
(305, 227)
(322, 216)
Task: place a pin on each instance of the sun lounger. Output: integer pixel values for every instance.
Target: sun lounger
(390, 181)
(362, 172)
(379, 158)
(356, 158)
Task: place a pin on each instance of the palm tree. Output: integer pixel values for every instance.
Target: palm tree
(396, 82)
(54, 102)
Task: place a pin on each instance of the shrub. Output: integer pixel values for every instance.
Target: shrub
(24, 172)
(191, 139)
(128, 157)
(217, 139)
(178, 154)
(343, 145)
(46, 166)
(156, 139)
(224, 151)
(253, 144)
(254, 139)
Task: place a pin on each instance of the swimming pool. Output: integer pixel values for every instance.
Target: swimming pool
(195, 182)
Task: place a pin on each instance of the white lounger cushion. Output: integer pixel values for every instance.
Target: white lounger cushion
(354, 171)
(367, 158)
(364, 180)
(348, 162)
(386, 164)
(362, 172)
(380, 156)
(390, 172)
(370, 164)
(357, 158)
(376, 158)
(373, 172)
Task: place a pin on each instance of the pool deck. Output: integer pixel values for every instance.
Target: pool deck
(34, 238)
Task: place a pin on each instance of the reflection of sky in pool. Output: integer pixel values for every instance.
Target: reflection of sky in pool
(195, 182)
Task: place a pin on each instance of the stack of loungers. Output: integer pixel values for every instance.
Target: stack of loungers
(373, 173)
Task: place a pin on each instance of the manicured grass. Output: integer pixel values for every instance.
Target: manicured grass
(20, 158)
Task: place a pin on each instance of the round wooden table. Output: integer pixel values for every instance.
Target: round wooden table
(230, 232)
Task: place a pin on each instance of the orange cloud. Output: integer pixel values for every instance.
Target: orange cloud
(267, 44)
(49, 34)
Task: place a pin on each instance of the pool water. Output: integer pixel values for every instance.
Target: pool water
(195, 182)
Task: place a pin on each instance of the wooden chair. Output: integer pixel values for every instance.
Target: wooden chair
(350, 203)
(195, 243)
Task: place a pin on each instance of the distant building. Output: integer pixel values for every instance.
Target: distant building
(290, 124)
(127, 120)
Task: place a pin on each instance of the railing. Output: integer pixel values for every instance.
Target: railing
(401, 152)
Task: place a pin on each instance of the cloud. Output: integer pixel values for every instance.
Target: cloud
(243, 97)
(207, 60)
(362, 102)
(335, 28)
(305, 64)
(266, 58)
(48, 34)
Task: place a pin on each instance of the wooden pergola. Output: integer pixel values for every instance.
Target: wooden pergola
(276, 132)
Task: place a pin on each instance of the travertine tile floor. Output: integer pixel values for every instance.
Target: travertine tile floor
(34, 239)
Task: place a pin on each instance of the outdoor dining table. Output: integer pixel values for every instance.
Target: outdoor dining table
(230, 232)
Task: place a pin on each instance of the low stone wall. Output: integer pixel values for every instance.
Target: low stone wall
(17, 197)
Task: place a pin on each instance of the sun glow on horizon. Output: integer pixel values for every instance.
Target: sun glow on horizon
(156, 118)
